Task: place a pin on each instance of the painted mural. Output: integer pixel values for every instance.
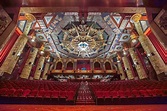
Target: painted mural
(4, 20)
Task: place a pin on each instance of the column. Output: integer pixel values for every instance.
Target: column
(54, 64)
(91, 65)
(121, 70)
(29, 63)
(17, 48)
(138, 65)
(39, 67)
(148, 47)
(127, 68)
(75, 64)
(46, 69)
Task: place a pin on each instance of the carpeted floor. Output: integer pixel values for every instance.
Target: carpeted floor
(83, 108)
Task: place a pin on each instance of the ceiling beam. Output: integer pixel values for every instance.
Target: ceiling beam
(76, 9)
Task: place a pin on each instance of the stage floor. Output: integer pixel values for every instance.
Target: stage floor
(6, 107)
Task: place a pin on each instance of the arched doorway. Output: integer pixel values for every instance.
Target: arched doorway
(69, 66)
(107, 66)
(59, 65)
(97, 66)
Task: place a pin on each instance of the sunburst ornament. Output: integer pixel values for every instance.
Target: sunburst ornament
(83, 40)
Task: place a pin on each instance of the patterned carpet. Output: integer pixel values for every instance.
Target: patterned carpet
(83, 108)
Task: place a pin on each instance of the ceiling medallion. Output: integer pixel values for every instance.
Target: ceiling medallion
(83, 40)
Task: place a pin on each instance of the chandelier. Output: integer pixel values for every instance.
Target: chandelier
(83, 40)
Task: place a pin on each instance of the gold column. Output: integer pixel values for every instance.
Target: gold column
(46, 69)
(17, 48)
(39, 67)
(13, 55)
(148, 47)
(138, 65)
(29, 63)
(127, 67)
(120, 68)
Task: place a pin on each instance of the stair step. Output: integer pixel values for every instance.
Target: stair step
(84, 96)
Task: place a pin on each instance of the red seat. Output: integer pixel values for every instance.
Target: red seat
(70, 95)
(136, 93)
(159, 92)
(41, 93)
(144, 93)
(128, 94)
(48, 93)
(99, 94)
(114, 94)
(33, 93)
(3, 91)
(18, 92)
(55, 94)
(107, 94)
(63, 94)
(121, 94)
(10, 92)
(26, 93)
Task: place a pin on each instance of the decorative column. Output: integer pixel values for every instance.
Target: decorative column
(138, 65)
(54, 63)
(148, 47)
(17, 48)
(29, 63)
(127, 67)
(121, 70)
(75, 64)
(39, 67)
(46, 69)
(91, 65)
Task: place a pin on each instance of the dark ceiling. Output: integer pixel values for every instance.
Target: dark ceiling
(84, 3)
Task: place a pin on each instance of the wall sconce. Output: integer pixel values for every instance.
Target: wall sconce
(148, 55)
(18, 54)
(41, 50)
(33, 39)
(47, 59)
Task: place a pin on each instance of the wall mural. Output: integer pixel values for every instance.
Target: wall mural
(161, 20)
(4, 20)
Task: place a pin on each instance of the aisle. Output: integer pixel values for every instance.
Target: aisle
(84, 95)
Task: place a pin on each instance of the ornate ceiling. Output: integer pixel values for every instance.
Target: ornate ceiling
(67, 34)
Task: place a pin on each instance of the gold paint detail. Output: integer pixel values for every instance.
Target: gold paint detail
(127, 68)
(13, 56)
(29, 63)
(39, 67)
(138, 65)
(121, 71)
(154, 57)
(46, 71)
(136, 17)
(30, 17)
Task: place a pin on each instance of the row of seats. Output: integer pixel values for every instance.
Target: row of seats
(125, 90)
(39, 89)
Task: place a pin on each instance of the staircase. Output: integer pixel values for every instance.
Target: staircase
(84, 95)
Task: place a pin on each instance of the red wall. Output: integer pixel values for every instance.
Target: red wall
(160, 49)
(4, 52)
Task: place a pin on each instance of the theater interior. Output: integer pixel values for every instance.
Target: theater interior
(83, 55)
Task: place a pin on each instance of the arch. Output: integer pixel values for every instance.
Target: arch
(97, 66)
(69, 66)
(59, 65)
(107, 65)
